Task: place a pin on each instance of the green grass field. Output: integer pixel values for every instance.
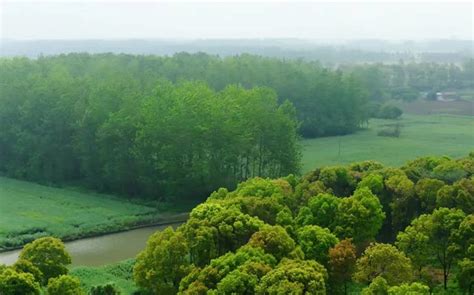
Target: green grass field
(119, 274)
(421, 135)
(29, 211)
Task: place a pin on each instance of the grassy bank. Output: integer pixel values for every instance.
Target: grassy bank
(29, 211)
(421, 135)
(119, 274)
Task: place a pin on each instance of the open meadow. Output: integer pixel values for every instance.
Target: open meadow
(29, 211)
(421, 135)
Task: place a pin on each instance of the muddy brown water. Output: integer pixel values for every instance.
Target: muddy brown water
(101, 250)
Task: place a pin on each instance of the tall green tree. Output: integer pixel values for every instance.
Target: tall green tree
(435, 235)
(386, 261)
(315, 242)
(359, 217)
(163, 263)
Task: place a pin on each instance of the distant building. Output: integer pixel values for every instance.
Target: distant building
(447, 96)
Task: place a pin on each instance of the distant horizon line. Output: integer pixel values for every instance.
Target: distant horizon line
(240, 38)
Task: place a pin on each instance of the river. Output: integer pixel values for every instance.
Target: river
(101, 250)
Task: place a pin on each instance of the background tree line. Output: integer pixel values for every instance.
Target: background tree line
(405, 81)
(348, 52)
(133, 125)
(145, 125)
(327, 102)
(112, 131)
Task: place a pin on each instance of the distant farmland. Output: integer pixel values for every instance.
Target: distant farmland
(423, 107)
(421, 135)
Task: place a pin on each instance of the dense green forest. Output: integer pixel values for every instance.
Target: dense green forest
(186, 124)
(176, 140)
(115, 122)
(361, 228)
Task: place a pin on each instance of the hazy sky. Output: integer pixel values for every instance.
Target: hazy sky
(112, 20)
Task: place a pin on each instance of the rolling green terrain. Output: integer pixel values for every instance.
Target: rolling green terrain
(421, 135)
(29, 211)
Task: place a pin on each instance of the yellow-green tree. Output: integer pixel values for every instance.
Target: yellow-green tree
(15, 283)
(315, 242)
(163, 263)
(386, 261)
(49, 255)
(295, 277)
(434, 235)
(64, 285)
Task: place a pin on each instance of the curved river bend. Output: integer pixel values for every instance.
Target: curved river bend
(101, 250)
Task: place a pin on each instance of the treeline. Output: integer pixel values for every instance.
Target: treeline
(138, 125)
(116, 123)
(113, 131)
(357, 229)
(407, 81)
(327, 102)
(351, 52)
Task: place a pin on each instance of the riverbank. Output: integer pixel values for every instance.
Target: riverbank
(104, 249)
(168, 220)
(29, 211)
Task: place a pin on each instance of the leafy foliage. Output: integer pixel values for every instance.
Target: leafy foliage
(342, 260)
(64, 285)
(434, 235)
(25, 266)
(13, 283)
(273, 240)
(92, 119)
(386, 261)
(294, 277)
(465, 275)
(98, 126)
(48, 255)
(277, 236)
(162, 265)
(107, 289)
(233, 272)
(359, 217)
(315, 242)
(409, 289)
(378, 286)
(214, 230)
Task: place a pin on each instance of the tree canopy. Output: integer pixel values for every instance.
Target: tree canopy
(294, 235)
(48, 255)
